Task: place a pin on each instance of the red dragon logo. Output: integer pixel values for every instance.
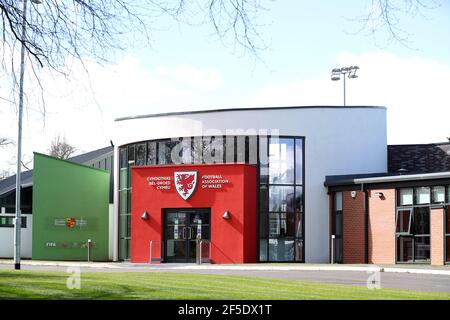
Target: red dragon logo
(185, 183)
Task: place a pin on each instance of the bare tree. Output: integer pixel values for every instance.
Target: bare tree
(60, 148)
(386, 16)
(5, 142)
(55, 30)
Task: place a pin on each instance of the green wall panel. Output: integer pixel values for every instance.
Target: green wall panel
(70, 206)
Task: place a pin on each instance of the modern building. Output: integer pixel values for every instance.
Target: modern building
(312, 184)
(397, 217)
(101, 159)
(281, 155)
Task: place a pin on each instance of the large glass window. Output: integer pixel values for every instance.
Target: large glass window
(280, 161)
(413, 234)
(281, 199)
(337, 226)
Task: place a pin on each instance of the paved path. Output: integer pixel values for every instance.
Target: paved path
(420, 278)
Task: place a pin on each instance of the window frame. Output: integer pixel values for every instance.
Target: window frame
(411, 213)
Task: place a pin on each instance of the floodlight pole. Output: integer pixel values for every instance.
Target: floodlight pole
(344, 88)
(18, 218)
(346, 71)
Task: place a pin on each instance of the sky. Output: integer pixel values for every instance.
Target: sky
(188, 68)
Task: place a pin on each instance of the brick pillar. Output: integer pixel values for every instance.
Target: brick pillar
(354, 239)
(437, 236)
(382, 227)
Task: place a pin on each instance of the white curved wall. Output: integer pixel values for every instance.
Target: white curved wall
(338, 140)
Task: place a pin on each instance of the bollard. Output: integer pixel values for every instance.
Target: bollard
(332, 248)
(89, 250)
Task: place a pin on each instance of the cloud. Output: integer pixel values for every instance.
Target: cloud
(83, 106)
(414, 90)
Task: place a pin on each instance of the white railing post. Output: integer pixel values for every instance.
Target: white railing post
(332, 248)
(151, 249)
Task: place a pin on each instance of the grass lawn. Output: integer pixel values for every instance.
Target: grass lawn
(115, 285)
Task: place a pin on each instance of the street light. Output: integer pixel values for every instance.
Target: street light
(18, 219)
(350, 71)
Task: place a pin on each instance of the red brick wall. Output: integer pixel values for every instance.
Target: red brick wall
(354, 227)
(382, 227)
(437, 236)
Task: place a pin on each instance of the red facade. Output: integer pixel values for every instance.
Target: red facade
(219, 187)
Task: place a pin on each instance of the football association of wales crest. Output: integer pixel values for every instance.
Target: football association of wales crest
(185, 183)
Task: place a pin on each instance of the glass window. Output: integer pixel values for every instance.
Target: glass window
(406, 196)
(298, 199)
(186, 153)
(422, 220)
(263, 152)
(404, 249)
(123, 225)
(129, 201)
(123, 178)
(281, 249)
(438, 194)
(165, 152)
(281, 161)
(131, 154)
(123, 249)
(338, 201)
(274, 225)
(281, 198)
(421, 249)
(151, 153)
(263, 249)
(338, 250)
(299, 161)
(141, 154)
(263, 198)
(123, 202)
(282, 224)
(123, 161)
(338, 224)
(404, 218)
(422, 195)
(263, 224)
(298, 225)
(213, 149)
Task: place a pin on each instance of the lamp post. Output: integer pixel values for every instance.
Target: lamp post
(18, 219)
(350, 71)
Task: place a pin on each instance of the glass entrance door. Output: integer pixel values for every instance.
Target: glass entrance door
(182, 229)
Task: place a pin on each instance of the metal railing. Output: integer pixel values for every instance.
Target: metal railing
(153, 245)
(203, 251)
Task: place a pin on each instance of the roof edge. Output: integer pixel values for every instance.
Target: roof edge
(177, 113)
(388, 178)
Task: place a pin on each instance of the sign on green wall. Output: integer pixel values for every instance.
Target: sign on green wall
(70, 206)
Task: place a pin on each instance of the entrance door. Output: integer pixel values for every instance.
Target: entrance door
(182, 228)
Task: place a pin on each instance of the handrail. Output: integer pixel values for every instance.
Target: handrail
(199, 257)
(151, 259)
